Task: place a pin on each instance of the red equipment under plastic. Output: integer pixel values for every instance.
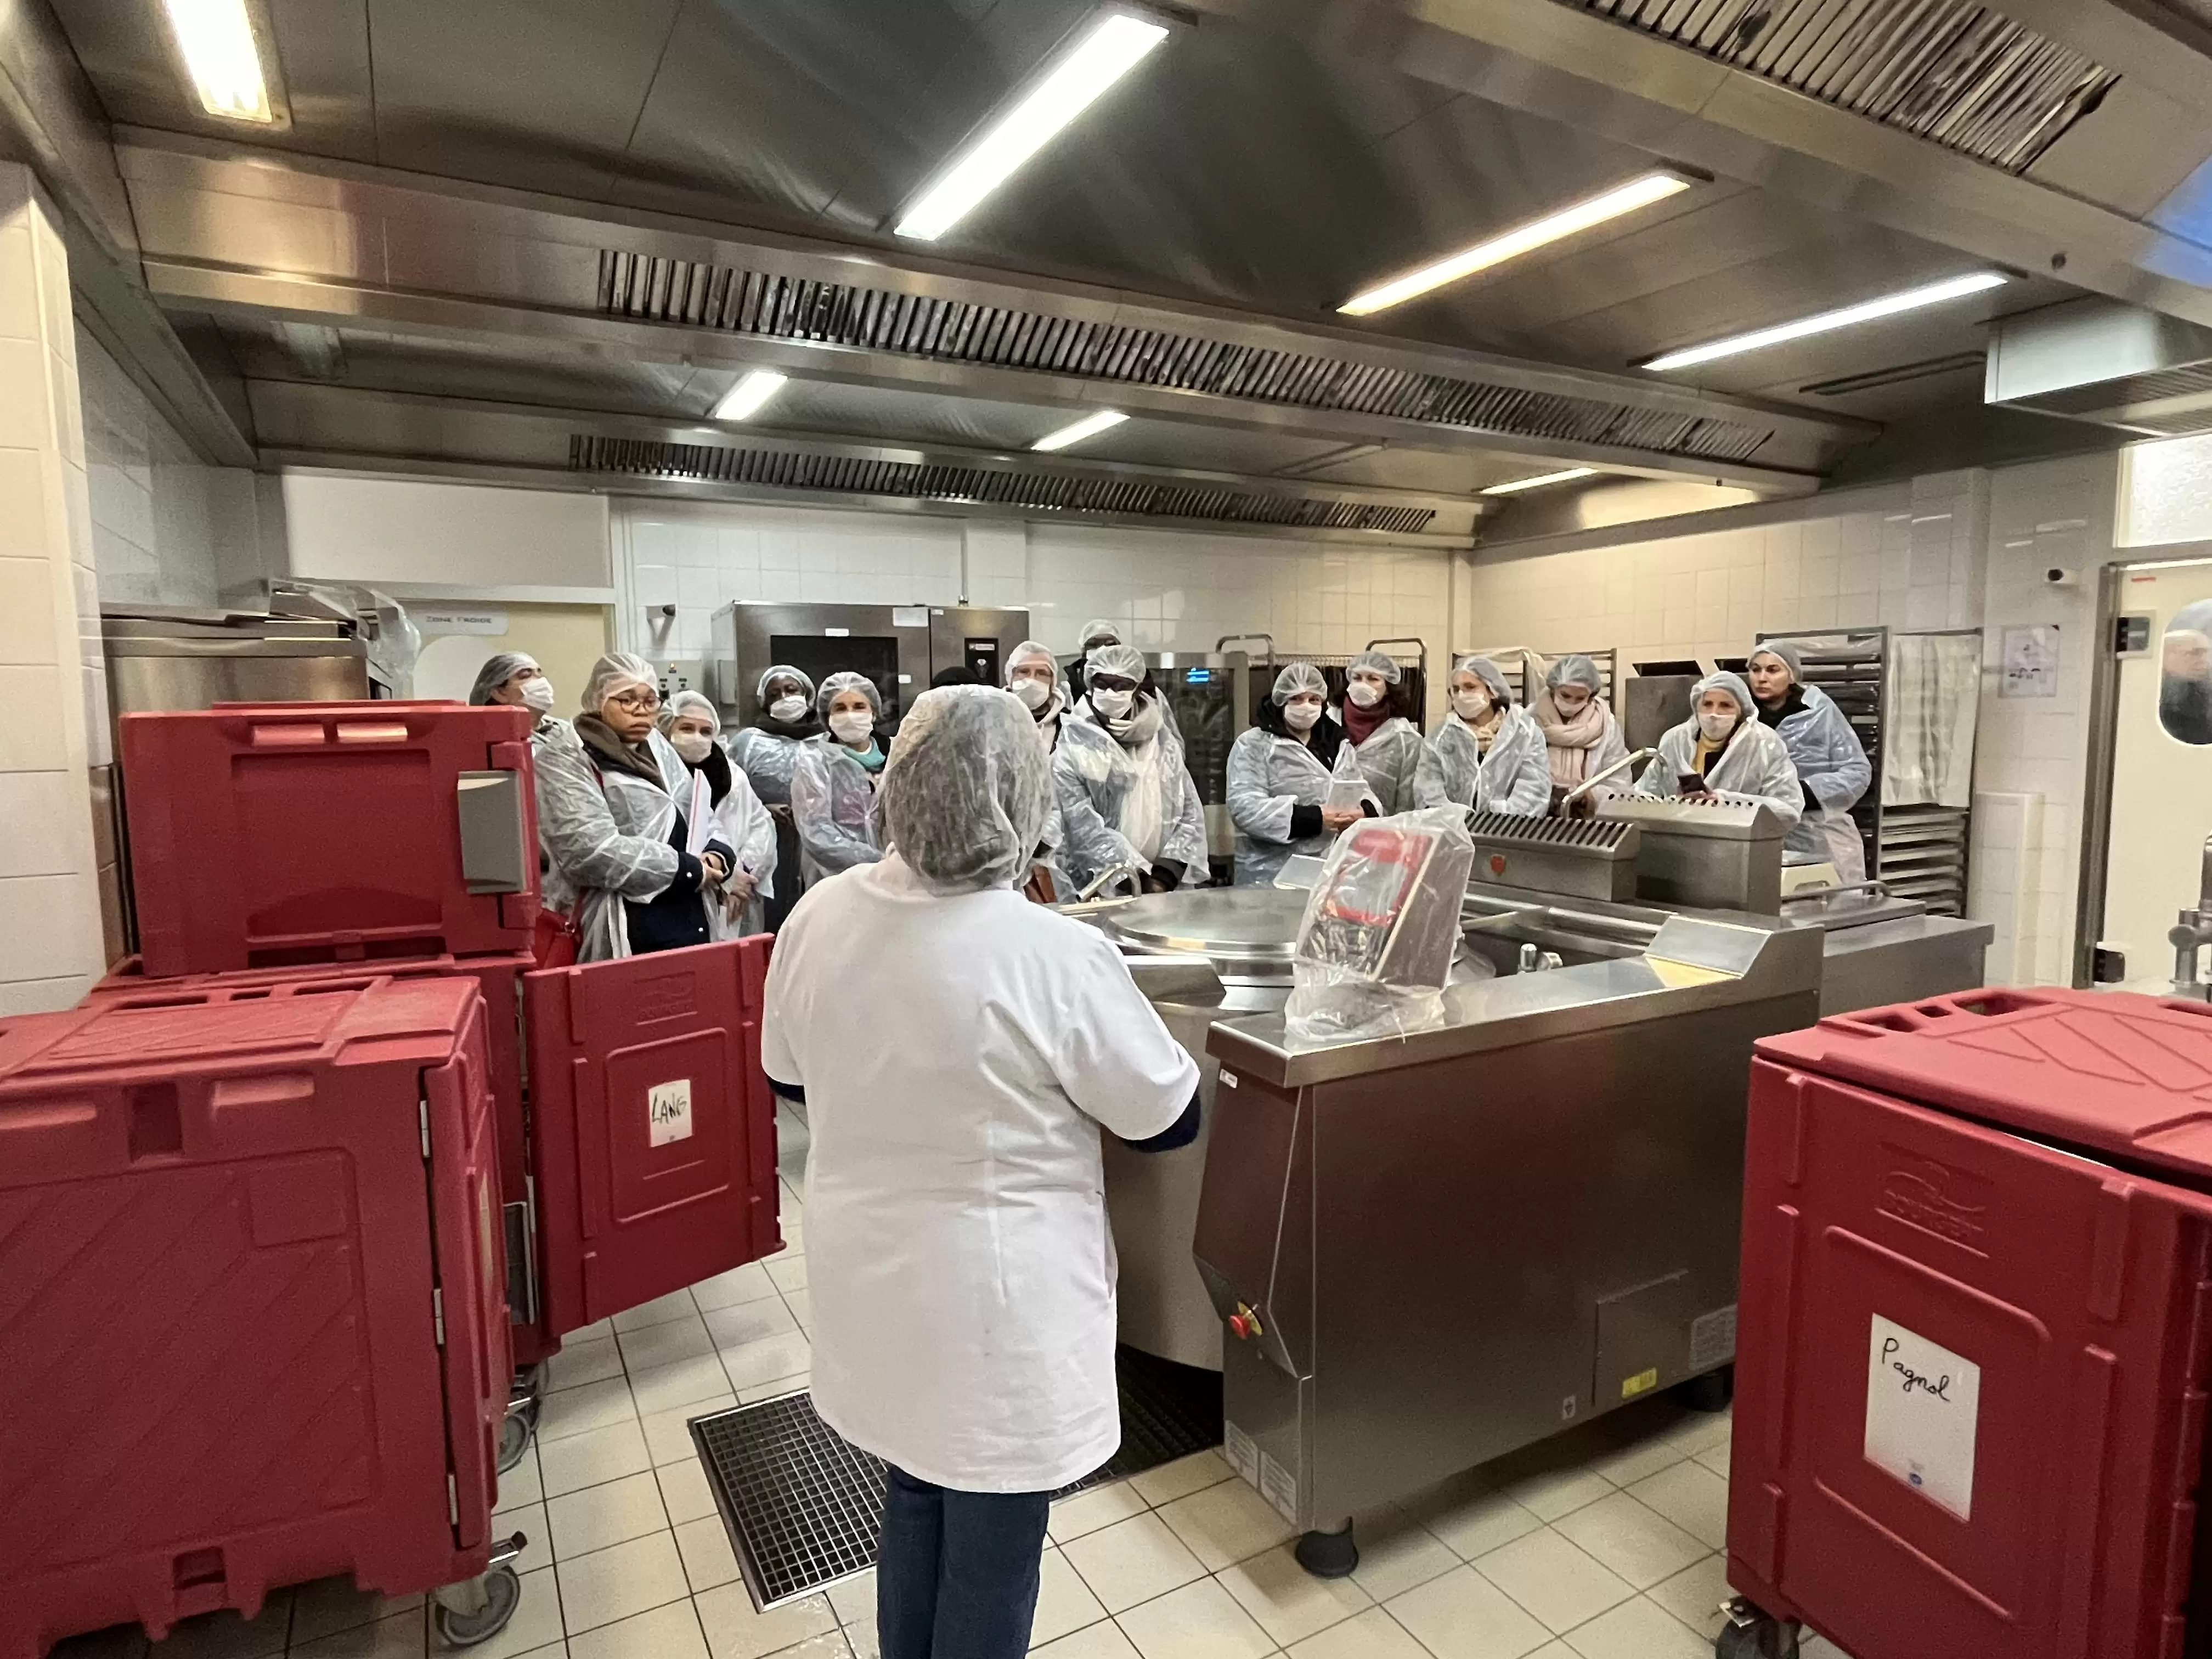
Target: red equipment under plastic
(275, 834)
(1892, 1191)
(654, 1131)
(501, 978)
(252, 1328)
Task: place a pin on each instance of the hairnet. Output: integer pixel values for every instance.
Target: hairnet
(616, 673)
(846, 680)
(1377, 662)
(497, 671)
(1029, 651)
(2195, 618)
(782, 672)
(694, 704)
(966, 791)
(1576, 670)
(1489, 673)
(1296, 677)
(1125, 661)
(1099, 628)
(1722, 681)
(1792, 655)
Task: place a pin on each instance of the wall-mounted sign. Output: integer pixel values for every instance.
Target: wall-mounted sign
(460, 619)
(2030, 664)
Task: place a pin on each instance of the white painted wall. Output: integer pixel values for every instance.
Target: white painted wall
(1171, 590)
(382, 531)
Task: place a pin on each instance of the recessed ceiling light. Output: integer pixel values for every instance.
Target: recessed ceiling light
(1514, 487)
(743, 399)
(1912, 299)
(1089, 426)
(216, 38)
(1638, 193)
(1105, 52)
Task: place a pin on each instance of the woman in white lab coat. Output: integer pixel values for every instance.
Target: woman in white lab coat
(960, 1266)
(1033, 675)
(692, 727)
(766, 749)
(1722, 753)
(833, 780)
(1127, 799)
(1294, 781)
(1488, 752)
(623, 862)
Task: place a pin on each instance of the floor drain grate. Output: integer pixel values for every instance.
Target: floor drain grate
(804, 1508)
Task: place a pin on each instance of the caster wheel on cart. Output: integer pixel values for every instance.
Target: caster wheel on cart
(502, 1593)
(1329, 1554)
(1713, 1392)
(1751, 1634)
(521, 1422)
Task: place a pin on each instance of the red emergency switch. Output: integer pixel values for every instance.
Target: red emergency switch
(1244, 1323)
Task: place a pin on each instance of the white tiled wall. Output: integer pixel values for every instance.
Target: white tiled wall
(159, 513)
(1172, 591)
(51, 676)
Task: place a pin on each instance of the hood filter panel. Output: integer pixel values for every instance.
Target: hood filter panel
(1951, 71)
(848, 475)
(698, 295)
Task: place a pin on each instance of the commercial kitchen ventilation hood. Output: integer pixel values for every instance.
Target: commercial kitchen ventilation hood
(1951, 71)
(2104, 363)
(858, 475)
(652, 289)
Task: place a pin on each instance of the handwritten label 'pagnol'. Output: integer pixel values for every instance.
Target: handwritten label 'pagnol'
(1924, 1406)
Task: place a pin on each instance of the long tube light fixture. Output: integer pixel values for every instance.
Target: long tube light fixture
(1089, 426)
(1515, 486)
(742, 401)
(1640, 191)
(216, 40)
(1866, 311)
(1102, 55)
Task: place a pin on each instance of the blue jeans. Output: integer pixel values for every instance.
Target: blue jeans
(956, 1573)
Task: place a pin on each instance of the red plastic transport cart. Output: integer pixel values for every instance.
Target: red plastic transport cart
(1975, 1340)
(273, 835)
(252, 1329)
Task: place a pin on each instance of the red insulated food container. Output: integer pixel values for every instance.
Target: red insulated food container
(251, 1327)
(1976, 1330)
(271, 835)
(501, 979)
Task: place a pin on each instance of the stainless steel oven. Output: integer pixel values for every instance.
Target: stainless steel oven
(900, 646)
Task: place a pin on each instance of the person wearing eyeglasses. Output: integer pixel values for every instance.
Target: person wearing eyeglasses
(634, 873)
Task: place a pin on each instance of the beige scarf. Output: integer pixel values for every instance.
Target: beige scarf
(1568, 743)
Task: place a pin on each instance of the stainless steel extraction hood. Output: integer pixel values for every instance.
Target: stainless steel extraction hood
(2104, 363)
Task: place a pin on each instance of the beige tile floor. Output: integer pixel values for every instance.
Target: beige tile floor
(1599, 1545)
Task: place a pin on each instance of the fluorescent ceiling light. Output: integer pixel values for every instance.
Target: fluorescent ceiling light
(1866, 311)
(216, 39)
(1108, 50)
(1089, 426)
(1516, 485)
(1638, 193)
(743, 399)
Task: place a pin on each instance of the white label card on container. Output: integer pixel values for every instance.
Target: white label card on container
(1924, 1405)
(668, 1111)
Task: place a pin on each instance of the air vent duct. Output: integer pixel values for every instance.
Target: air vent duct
(2107, 364)
(752, 302)
(1951, 71)
(846, 475)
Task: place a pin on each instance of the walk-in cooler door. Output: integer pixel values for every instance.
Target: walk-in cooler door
(654, 1132)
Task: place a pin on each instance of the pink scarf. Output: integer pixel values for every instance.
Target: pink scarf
(1567, 743)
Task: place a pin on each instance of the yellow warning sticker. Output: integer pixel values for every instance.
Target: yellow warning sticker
(1640, 1383)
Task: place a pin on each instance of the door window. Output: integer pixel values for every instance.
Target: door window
(2185, 684)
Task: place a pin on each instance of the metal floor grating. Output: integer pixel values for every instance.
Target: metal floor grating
(804, 1508)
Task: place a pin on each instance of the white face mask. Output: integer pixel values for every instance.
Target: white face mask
(1715, 727)
(1301, 716)
(692, 745)
(1366, 693)
(1471, 705)
(538, 694)
(1113, 704)
(1034, 693)
(853, 727)
(789, 710)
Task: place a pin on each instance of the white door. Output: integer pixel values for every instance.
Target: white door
(2161, 809)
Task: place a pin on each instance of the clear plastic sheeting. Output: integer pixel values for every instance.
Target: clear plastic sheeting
(1934, 699)
(1375, 950)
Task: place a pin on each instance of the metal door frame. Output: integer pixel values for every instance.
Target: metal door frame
(2104, 754)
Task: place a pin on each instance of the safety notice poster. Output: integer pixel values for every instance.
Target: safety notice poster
(1924, 1405)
